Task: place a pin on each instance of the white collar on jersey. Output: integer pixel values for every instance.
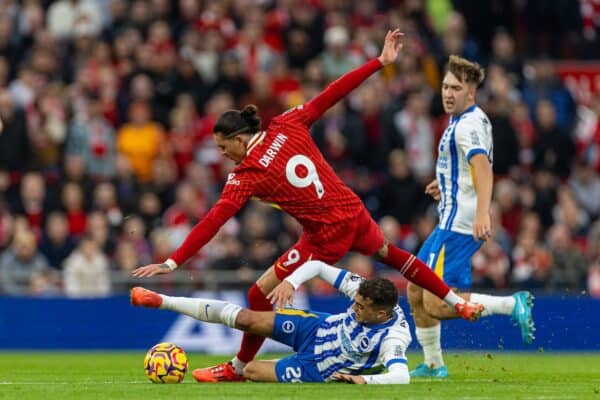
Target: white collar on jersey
(254, 140)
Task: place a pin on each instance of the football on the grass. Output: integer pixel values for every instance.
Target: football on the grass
(165, 363)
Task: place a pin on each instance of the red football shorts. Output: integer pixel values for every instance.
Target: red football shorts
(331, 243)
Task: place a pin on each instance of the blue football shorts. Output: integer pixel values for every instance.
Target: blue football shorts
(297, 328)
(449, 255)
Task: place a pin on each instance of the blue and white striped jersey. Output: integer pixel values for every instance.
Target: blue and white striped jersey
(468, 134)
(346, 346)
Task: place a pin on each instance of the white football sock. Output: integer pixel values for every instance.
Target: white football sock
(208, 310)
(453, 299)
(429, 339)
(238, 365)
(494, 304)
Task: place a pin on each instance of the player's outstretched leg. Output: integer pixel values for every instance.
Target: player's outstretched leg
(219, 373)
(208, 310)
(144, 298)
(521, 315)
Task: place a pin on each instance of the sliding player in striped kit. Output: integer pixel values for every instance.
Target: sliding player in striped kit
(371, 333)
(463, 187)
(282, 165)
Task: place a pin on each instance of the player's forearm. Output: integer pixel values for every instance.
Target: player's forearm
(311, 269)
(204, 231)
(397, 375)
(342, 86)
(484, 183)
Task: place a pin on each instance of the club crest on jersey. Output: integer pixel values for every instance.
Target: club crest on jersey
(363, 343)
(231, 180)
(288, 326)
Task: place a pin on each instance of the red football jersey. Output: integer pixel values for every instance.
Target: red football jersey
(284, 166)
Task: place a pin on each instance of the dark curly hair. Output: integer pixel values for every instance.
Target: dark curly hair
(234, 122)
(381, 291)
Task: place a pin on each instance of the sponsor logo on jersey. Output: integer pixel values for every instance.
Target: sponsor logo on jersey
(231, 180)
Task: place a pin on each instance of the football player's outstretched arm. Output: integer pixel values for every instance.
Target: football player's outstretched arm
(195, 240)
(344, 281)
(349, 81)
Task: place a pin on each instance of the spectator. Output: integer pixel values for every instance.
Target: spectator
(402, 196)
(554, 149)
(569, 266)
(141, 140)
(33, 202)
(336, 58)
(104, 199)
(98, 230)
(92, 139)
(86, 271)
(413, 131)
(72, 202)
(340, 137)
(532, 262)
(134, 231)
(491, 265)
(585, 184)
(20, 263)
(15, 147)
(543, 84)
(56, 244)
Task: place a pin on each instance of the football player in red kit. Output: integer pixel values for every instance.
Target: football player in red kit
(282, 165)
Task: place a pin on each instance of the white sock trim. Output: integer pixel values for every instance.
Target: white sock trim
(229, 314)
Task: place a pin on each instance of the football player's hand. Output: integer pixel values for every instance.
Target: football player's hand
(151, 270)
(282, 295)
(482, 227)
(391, 47)
(433, 189)
(357, 379)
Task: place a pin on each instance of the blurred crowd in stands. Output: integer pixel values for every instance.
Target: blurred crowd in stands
(107, 157)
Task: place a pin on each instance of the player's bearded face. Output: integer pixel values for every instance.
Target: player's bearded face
(457, 96)
(233, 148)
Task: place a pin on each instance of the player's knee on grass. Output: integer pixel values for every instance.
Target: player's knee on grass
(251, 371)
(260, 371)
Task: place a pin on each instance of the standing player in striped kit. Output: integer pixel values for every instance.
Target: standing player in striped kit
(283, 165)
(463, 186)
(373, 332)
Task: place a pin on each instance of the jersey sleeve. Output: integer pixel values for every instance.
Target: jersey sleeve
(308, 113)
(393, 350)
(348, 283)
(344, 281)
(471, 139)
(238, 188)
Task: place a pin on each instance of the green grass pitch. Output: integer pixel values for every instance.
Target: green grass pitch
(115, 375)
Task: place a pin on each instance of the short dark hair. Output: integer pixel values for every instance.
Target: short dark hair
(465, 71)
(234, 122)
(381, 291)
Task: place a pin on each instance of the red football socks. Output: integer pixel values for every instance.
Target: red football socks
(251, 343)
(415, 271)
